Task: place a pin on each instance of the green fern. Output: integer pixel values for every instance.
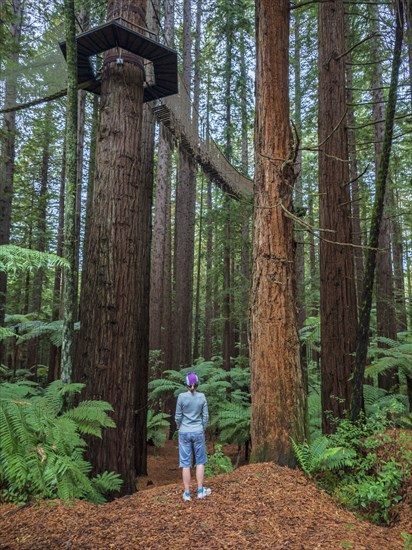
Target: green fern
(14, 259)
(397, 354)
(41, 449)
(319, 455)
(157, 427)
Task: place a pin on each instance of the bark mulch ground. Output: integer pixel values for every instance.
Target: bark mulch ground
(257, 506)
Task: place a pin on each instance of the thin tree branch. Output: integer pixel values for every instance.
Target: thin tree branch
(373, 35)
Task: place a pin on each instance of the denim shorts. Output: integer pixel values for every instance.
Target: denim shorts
(189, 441)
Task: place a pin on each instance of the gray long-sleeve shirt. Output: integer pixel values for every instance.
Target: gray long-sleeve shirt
(192, 414)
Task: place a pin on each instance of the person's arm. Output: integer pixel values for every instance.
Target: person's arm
(179, 412)
(205, 415)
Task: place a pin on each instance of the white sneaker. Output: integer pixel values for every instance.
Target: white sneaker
(204, 492)
(186, 497)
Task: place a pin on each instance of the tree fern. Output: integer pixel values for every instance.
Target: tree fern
(397, 354)
(14, 259)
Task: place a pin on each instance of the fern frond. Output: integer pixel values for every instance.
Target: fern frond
(335, 458)
(14, 259)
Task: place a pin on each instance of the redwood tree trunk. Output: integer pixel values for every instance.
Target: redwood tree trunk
(337, 277)
(385, 299)
(8, 157)
(113, 347)
(184, 227)
(278, 400)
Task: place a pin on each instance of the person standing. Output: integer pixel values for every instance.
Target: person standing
(191, 419)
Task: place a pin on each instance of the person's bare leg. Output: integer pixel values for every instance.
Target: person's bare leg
(186, 478)
(200, 474)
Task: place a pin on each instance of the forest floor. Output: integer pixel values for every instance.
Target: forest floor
(259, 506)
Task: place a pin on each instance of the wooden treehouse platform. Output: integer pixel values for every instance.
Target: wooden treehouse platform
(173, 107)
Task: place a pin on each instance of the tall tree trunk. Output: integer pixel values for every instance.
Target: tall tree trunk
(167, 323)
(314, 276)
(353, 172)
(70, 277)
(113, 341)
(41, 231)
(337, 278)
(8, 156)
(227, 286)
(398, 257)
(278, 399)
(196, 332)
(207, 339)
(228, 329)
(382, 174)
(245, 247)
(53, 372)
(184, 226)
(299, 234)
(385, 300)
(160, 218)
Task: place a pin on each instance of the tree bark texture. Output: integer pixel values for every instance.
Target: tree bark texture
(337, 278)
(184, 227)
(278, 400)
(159, 238)
(113, 346)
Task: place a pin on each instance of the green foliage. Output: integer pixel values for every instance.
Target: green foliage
(228, 396)
(14, 259)
(157, 427)
(376, 494)
(407, 540)
(363, 464)
(321, 455)
(218, 463)
(397, 355)
(41, 451)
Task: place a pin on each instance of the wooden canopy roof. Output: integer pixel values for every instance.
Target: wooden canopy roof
(116, 34)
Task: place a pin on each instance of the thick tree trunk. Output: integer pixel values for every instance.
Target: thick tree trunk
(113, 342)
(278, 400)
(337, 278)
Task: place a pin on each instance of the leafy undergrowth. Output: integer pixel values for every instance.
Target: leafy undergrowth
(257, 506)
